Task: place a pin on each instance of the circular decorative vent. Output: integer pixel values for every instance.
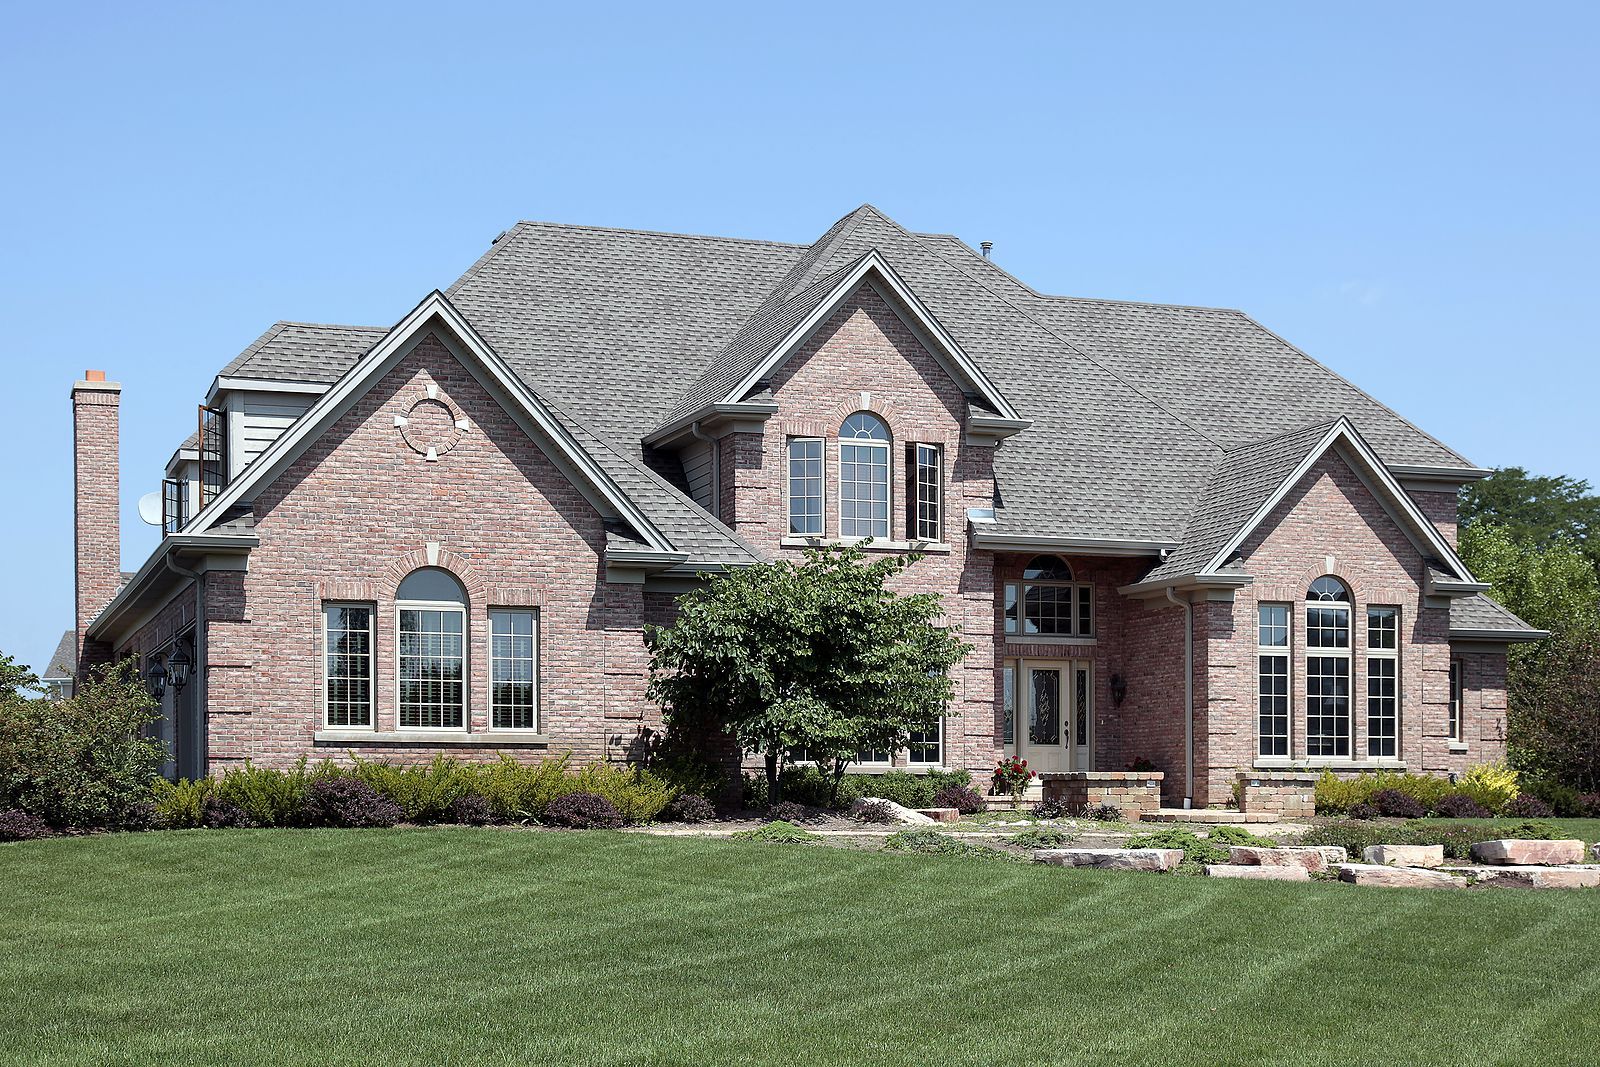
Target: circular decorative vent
(431, 428)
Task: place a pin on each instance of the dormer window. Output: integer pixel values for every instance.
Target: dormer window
(864, 477)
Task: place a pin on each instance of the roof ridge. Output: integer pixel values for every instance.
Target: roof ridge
(656, 233)
(1320, 424)
(327, 325)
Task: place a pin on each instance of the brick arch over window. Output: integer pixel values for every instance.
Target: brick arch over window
(464, 572)
(883, 409)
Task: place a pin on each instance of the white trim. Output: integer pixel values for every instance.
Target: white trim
(394, 345)
(466, 665)
(372, 666)
(538, 709)
(873, 264)
(1308, 652)
(1285, 650)
(1392, 655)
(1083, 546)
(222, 384)
(788, 483)
(1345, 431)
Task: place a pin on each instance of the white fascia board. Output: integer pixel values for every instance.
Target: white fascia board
(1423, 472)
(155, 566)
(229, 384)
(1185, 583)
(399, 340)
(1344, 431)
(873, 265)
(1088, 546)
(1497, 636)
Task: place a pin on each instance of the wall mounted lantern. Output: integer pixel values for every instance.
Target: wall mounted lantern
(1119, 690)
(178, 668)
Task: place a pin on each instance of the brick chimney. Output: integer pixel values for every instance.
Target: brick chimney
(97, 531)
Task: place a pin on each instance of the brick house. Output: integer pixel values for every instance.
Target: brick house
(1174, 539)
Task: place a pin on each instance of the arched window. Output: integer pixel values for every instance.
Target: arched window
(430, 664)
(863, 476)
(1328, 668)
(1047, 602)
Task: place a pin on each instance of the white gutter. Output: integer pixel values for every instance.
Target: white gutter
(1188, 697)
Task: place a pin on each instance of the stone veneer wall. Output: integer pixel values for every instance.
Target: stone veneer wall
(1137, 794)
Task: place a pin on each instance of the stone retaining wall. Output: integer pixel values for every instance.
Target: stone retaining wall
(1136, 794)
(1291, 794)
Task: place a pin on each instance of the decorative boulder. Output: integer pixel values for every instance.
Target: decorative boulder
(940, 814)
(1528, 853)
(1264, 873)
(1309, 858)
(1398, 877)
(1535, 877)
(1112, 859)
(902, 813)
(1404, 855)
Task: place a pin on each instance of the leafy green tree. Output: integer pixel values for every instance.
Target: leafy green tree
(1550, 584)
(820, 656)
(1535, 509)
(16, 681)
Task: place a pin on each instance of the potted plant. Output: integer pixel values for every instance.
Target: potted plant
(1012, 776)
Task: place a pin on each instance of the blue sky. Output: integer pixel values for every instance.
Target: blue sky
(1408, 192)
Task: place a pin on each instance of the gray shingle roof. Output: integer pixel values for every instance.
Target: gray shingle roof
(1479, 614)
(64, 661)
(1137, 408)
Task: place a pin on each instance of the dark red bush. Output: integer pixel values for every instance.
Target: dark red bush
(219, 814)
(1459, 806)
(788, 811)
(1528, 806)
(689, 807)
(471, 809)
(1362, 811)
(582, 811)
(18, 825)
(963, 798)
(348, 802)
(1398, 805)
(1587, 806)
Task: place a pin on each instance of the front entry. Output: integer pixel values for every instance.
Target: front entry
(1058, 720)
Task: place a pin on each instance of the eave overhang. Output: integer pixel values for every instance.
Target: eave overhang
(152, 584)
(1081, 546)
(1187, 583)
(1497, 636)
(714, 420)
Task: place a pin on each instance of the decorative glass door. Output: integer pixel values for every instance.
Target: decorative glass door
(1057, 728)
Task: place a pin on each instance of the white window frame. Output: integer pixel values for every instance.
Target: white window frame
(938, 746)
(928, 458)
(1008, 703)
(466, 662)
(1345, 656)
(494, 708)
(1456, 710)
(1284, 652)
(372, 664)
(822, 484)
(887, 448)
(1017, 593)
(1384, 655)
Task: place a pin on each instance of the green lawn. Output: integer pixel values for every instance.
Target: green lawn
(481, 946)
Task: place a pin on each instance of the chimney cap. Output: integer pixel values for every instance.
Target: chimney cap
(94, 375)
(987, 246)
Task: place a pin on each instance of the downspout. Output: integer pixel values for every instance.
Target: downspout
(716, 469)
(199, 680)
(1188, 697)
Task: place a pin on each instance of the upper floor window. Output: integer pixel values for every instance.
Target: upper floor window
(513, 661)
(805, 486)
(925, 516)
(1328, 668)
(1047, 602)
(430, 664)
(864, 477)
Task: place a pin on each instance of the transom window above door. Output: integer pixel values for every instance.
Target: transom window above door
(1048, 602)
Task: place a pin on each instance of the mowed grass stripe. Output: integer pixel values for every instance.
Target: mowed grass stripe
(454, 945)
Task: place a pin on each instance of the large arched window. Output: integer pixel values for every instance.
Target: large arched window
(863, 477)
(1328, 668)
(430, 662)
(1048, 602)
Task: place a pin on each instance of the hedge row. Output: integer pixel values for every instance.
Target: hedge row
(1491, 788)
(809, 786)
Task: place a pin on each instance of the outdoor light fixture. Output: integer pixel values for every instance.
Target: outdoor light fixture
(1119, 689)
(178, 668)
(156, 678)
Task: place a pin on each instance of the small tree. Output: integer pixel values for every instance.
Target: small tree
(820, 656)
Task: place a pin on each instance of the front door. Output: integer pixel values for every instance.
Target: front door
(1057, 724)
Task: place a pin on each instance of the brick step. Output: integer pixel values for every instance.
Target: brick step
(1214, 816)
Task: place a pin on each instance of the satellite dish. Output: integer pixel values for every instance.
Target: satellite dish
(150, 508)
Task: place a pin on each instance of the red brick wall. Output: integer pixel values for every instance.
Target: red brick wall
(1332, 514)
(354, 515)
(865, 348)
(1441, 509)
(97, 538)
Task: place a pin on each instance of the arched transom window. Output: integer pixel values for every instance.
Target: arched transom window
(431, 617)
(1328, 668)
(863, 476)
(1048, 602)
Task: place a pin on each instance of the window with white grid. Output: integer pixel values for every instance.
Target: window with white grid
(1383, 682)
(1272, 679)
(513, 664)
(347, 659)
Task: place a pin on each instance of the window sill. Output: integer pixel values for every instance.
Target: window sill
(1329, 763)
(1457, 746)
(878, 544)
(484, 739)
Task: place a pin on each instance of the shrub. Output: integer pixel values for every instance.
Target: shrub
(271, 797)
(789, 811)
(928, 842)
(872, 809)
(1527, 806)
(1195, 850)
(1459, 806)
(689, 807)
(1336, 796)
(17, 825)
(344, 801)
(1491, 785)
(219, 814)
(1587, 805)
(1238, 835)
(777, 833)
(1456, 837)
(424, 792)
(582, 811)
(1100, 813)
(81, 762)
(1050, 809)
(1397, 805)
(906, 789)
(638, 795)
(1362, 811)
(178, 804)
(1041, 837)
(963, 798)
(470, 809)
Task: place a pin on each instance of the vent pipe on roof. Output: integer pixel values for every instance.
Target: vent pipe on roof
(987, 246)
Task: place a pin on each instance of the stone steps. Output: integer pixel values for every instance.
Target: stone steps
(1252, 872)
(1212, 816)
(1112, 859)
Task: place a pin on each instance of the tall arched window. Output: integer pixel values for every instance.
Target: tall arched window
(863, 477)
(1328, 668)
(1047, 602)
(430, 664)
